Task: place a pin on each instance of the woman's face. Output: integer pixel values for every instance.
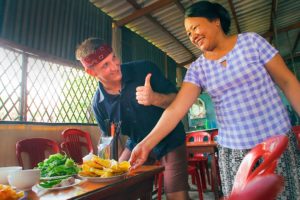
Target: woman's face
(202, 32)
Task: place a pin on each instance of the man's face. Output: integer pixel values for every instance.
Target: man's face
(108, 70)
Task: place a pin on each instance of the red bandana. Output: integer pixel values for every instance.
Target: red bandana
(97, 56)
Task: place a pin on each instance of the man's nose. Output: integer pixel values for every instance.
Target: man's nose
(114, 65)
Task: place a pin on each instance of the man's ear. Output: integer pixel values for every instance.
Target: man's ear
(89, 71)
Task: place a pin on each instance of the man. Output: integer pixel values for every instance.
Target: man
(136, 94)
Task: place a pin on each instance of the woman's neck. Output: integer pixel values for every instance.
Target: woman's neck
(224, 45)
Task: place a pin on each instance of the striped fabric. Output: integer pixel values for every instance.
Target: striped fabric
(248, 106)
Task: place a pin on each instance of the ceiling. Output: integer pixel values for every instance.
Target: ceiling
(161, 23)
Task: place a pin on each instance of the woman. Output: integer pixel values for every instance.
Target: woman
(238, 72)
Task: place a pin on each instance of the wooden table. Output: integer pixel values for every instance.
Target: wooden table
(137, 185)
(210, 148)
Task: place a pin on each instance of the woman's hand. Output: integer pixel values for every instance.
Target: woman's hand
(139, 155)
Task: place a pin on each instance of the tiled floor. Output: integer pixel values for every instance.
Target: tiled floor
(193, 193)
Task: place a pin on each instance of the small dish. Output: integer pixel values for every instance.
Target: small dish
(4, 171)
(24, 179)
(103, 180)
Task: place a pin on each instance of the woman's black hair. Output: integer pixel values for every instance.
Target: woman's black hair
(211, 11)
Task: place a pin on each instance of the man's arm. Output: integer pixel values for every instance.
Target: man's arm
(146, 96)
(168, 121)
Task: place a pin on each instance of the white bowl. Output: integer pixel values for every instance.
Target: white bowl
(24, 179)
(4, 171)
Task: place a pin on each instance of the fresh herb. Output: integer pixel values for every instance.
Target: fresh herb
(57, 165)
(50, 183)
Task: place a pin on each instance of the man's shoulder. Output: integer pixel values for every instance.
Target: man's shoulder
(138, 64)
(140, 67)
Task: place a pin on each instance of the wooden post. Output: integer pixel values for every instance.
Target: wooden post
(116, 42)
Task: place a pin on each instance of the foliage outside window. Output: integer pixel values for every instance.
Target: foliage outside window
(38, 90)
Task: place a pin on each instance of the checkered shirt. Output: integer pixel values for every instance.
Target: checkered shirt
(248, 106)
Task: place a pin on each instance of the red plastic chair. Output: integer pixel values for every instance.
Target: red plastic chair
(214, 135)
(76, 143)
(192, 171)
(37, 149)
(296, 130)
(198, 159)
(265, 187)
(270, 151)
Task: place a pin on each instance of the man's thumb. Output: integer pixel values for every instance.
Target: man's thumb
(147, 80)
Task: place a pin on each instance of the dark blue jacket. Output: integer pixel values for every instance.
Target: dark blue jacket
(137, 120)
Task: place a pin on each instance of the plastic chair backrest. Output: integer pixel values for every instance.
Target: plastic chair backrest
(36, 148)
(214, 135)
(266, 187)
(199, 136)
(269, 151)
(74, 140)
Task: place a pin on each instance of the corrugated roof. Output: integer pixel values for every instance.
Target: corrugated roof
(163, 25)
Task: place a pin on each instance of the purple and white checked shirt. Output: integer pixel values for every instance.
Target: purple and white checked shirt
(248, 106)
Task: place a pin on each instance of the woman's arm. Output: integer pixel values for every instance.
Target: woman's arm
(168, 121)
(125, 155)
(286, 80)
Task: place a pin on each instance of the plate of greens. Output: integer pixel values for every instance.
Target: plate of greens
(57, 166)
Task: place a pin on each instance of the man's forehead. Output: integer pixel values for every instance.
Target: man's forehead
(106, 59)
(97, 56)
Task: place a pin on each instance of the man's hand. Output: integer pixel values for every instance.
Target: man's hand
(139, 155)
(145, 94)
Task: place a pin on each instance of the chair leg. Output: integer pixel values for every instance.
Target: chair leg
(195, 174)
(160, 185)
(202, 174)
(205, 165)
(196, 165)
(193, 180)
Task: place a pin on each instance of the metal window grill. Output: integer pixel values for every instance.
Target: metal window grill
(37, 90)
(10, 84)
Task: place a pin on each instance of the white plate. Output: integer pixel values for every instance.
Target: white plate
(103, 180)
(54, 177)
(77, 181)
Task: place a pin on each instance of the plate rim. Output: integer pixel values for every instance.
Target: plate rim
(48, 178)
(106, 179)
(77, 181)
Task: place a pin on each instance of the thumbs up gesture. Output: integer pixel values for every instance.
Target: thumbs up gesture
(145, 94)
